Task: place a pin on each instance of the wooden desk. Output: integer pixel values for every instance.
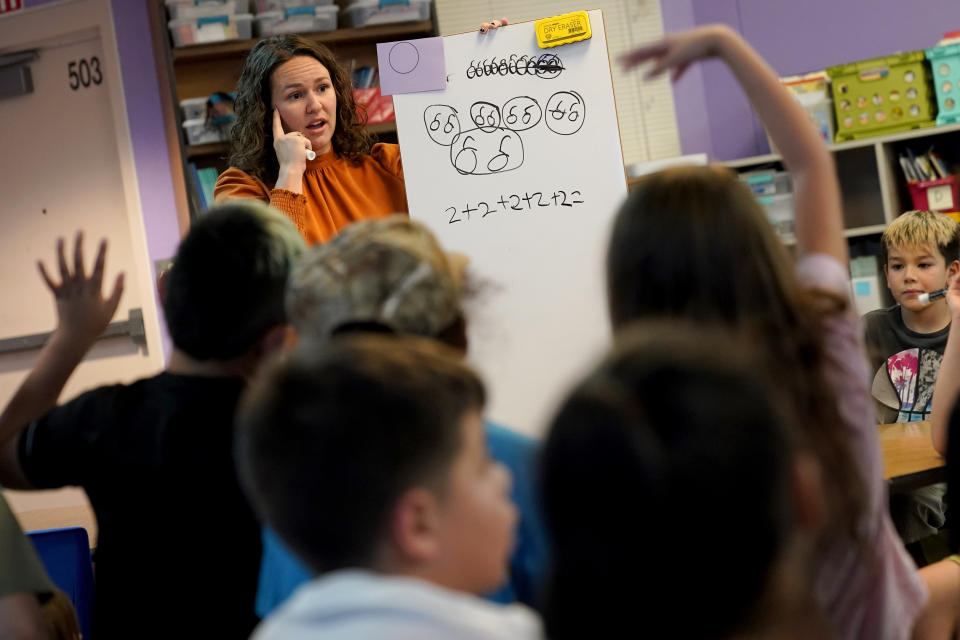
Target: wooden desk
(909, 459)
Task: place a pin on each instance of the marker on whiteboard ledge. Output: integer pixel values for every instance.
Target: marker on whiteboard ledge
(924, 298)
(563, 29)
(311, 154)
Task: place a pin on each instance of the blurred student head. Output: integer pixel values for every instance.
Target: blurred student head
(387, 275)
(693, 243)
(225, 289)
(60, 617)
(673, 492)
(369, 452)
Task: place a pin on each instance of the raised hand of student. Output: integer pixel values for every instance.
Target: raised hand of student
(82, 315)
(82, 311)
(291, 149)
(818, 219)
(679, 50)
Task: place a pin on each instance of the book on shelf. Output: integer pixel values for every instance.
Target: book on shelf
(194, 192)
(921, 168)
(202, 182)
(208, 180)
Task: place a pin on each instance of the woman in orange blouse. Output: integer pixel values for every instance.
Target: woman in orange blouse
(293, 96)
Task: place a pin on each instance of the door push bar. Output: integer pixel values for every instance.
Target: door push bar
(132, 326)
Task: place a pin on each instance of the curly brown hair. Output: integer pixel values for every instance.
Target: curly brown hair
(251, 143)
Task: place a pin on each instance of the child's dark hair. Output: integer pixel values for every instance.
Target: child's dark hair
(668, 466)
(693, 243)
(328, 440)
(914, 229)
(60, 617)
(226, 286)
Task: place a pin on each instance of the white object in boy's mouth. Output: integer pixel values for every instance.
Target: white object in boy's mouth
(924, 298)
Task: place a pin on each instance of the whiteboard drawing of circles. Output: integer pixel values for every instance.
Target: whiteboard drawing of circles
(549, 66)
(442, 123)
(485, 115)
(521, 113)
(404, 57)
(565, 112)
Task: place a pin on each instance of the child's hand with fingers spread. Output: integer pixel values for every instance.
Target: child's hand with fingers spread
(678, 51)
(82, 311)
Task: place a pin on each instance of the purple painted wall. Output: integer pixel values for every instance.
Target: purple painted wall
(141, 88)
(138, 67)
(689, 99)
(794, 38)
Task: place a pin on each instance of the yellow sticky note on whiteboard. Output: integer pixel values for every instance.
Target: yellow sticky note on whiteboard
(562, 29)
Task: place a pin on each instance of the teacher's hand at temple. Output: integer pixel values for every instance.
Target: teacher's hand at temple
(291, 149)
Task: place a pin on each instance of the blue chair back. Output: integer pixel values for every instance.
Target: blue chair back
(65, 554)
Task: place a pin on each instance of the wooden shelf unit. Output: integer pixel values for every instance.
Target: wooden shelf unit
(873, 188)
(352, 35)
(222, 149)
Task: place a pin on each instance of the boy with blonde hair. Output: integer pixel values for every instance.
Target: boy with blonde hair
(919, 251)
(905, 343)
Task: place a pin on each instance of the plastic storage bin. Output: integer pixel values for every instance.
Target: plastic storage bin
(192, 9)
(194, 108)
(779, 210)
(296, 20)
(210, 29)
(882, 95)
(200, 131)
(768, 183)
(280, 5)
(934, 195)
(364, 13)
(945, 69)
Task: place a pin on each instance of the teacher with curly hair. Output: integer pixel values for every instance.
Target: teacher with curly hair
(294, 97)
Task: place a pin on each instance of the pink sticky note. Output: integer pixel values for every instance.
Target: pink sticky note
(408, 66)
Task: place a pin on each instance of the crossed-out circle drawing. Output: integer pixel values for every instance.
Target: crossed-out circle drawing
(494, 144)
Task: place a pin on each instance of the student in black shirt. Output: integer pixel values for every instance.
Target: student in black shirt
(179, 547)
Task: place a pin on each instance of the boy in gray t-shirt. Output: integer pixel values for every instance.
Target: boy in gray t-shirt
(905, 344)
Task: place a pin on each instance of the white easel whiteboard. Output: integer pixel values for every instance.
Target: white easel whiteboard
(517, 163)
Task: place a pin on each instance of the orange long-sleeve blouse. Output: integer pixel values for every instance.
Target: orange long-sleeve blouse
(336, 192)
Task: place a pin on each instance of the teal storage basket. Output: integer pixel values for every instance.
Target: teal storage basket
(945, 70)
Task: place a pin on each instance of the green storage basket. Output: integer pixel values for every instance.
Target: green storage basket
(945, 69)
(882, 95)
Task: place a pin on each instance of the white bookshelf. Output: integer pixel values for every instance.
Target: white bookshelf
(871, 181)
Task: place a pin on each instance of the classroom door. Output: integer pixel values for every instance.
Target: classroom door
(64, 167)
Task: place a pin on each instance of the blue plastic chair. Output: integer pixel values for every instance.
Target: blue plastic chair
(65, 554)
